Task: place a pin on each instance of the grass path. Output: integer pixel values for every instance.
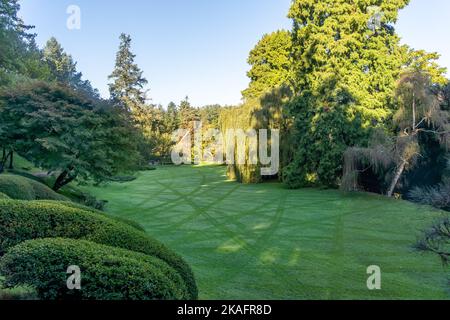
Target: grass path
(266, 242)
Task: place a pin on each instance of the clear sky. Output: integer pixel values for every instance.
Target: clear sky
(197, 48)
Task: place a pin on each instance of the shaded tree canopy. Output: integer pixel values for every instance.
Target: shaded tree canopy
(62, 131)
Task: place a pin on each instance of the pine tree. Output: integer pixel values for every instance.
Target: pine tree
(127, 87)
(187, 114)
(63, 68)
(171, 118)
(19, 56)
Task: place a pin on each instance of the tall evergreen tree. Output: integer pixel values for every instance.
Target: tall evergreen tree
(20, 58)
(345, 65)
(171, 118)
(61, 64)
(64, 69)
(187, 114)
(332, 40)
(127, 86)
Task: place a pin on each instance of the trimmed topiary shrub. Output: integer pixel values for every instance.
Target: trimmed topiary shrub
(16, 187)
(134, 224)
(27, 220)
(21, 188)
(107, 273)
(27, 175)
(3, 196)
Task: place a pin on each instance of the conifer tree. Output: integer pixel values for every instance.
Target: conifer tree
(63, 69)
(346, 60)
(127, 86)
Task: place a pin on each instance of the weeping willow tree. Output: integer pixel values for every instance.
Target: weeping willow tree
(235, 118)
(264, 100)
(378, 157)
(382, 155)
(254, 115)
(418, 112)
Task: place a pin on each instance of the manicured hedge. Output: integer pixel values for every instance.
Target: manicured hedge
(75, 205)
(21, 188)
(107, 273)
(3, 196)
(27, 220)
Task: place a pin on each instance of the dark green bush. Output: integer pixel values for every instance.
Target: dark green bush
(75, 205)
(107, 273)
(27, 220)
(3, 196)
(21, 188)
(16, 187)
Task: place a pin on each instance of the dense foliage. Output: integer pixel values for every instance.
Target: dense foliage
(75, 205)
(59, 130)
(344, 69)
(270, 64)
(108, 273)
(355, 109)
(25, 220)
(269, 90)
(344, 64)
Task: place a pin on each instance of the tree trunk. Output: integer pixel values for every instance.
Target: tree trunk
(63, 179)
(59, 181)
(11, 160)
(3, 161)
(397, 176)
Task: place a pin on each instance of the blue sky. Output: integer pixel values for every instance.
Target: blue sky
(197, 48)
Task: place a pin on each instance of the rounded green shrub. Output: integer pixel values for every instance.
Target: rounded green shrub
(21, 188)
(75, 205)
(27, 220)
(3, 196)
(107, 273)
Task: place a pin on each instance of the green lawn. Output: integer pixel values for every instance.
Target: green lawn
(266, 242)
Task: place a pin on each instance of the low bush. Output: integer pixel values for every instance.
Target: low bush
(27, 220)
(3, 196)
(131, 223)
(107, 273)
(21, 188)
(27, 174)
